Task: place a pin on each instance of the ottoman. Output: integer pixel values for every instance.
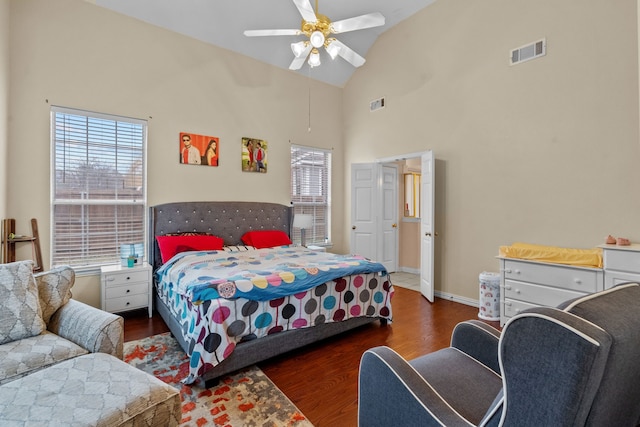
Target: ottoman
(95, 389)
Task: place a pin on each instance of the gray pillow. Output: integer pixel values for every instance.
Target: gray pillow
(54, 289)
(20, 312)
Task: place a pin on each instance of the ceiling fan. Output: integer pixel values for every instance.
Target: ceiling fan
(318, 28)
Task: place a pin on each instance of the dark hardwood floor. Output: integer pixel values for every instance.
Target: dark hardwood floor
(322, 379)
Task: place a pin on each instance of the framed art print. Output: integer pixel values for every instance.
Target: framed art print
(199, 149)
(254, 155)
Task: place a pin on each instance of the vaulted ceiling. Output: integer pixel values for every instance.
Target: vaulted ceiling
(222, 23)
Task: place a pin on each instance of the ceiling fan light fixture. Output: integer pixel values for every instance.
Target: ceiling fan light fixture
(316, 38)
(314, 58)
(332, 49)
(298, 48)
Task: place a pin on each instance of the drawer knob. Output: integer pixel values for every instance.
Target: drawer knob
(128, 290)
(517, 291)
(578, 281)
(517, 271)
(110, 279)
(128, 278)
(128, 303)
(508, 304)
(507, 287)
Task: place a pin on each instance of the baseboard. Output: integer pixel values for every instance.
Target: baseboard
(409, 270)
(457, 298)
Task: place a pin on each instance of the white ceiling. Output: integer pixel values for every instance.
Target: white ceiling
(222, 22)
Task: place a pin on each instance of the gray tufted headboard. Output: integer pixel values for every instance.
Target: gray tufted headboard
(228, 220)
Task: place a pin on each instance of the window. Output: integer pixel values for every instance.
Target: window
(311, 192)
(98, 186)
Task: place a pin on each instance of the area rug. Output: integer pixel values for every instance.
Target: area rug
(245, 398)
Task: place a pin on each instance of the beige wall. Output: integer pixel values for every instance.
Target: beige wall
(4, 102)
(544, 152)
(75, 54)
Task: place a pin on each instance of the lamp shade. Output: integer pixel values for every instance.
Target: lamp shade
(302, 221)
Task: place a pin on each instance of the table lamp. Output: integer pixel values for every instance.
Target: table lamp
(302, 222)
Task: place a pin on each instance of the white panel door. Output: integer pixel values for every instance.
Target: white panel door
(388, 244)
(363, 209)
(427, 229)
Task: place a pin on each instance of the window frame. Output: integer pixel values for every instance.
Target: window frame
(311, 207)
(89, 267)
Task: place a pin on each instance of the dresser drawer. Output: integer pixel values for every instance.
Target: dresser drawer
(115, 305)
(125, 277)
(537, 294)
(130, 289)
(613, 278)
(513, 307)
(560, 276)
(622, 260)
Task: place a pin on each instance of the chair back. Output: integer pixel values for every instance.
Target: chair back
(617, 311)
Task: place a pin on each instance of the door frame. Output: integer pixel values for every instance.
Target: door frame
(429, 292)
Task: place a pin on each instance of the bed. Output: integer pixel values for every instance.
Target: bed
(213, 301)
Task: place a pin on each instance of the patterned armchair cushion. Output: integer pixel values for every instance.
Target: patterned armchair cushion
(20, 311)
(28, 355)
(54, 289)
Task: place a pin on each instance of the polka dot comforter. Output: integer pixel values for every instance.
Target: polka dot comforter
(221, 298)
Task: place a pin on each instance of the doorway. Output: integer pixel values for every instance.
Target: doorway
(375, 233)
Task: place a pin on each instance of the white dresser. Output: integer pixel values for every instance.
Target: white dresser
(526, 284)
(621, 264)
(125, 288)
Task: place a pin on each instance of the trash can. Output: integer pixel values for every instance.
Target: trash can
(489, 296)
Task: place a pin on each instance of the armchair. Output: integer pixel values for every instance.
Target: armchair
(575, 365)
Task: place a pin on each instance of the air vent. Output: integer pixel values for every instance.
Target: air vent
(376, 104)
(528, 52)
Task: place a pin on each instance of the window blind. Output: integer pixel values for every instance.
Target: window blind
(311, 191)
(98, 186)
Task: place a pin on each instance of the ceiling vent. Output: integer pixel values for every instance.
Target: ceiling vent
(528, 52)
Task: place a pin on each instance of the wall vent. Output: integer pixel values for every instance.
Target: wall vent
(376, 104)
(528, 52)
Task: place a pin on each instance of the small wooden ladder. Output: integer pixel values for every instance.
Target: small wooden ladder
(9, 240)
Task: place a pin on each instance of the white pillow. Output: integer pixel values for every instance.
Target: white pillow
(20, 312)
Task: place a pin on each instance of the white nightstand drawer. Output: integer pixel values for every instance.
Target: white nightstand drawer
(125, 277)
(124, 288)
(126, 303)
(622, 260)
(123, 291)
(560, 276)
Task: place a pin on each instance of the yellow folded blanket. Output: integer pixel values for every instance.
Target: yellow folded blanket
(579, 257)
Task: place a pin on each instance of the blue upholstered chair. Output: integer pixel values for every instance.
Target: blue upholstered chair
(575, 365)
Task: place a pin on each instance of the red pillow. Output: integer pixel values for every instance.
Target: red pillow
(266, 238)
(171, 245)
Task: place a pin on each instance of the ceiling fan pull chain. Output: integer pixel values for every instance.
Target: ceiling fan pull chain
(309, 82)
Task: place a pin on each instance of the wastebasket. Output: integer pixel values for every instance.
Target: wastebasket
(489, 296)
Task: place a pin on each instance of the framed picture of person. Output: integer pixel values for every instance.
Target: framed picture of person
(199, 149)
(254, 155)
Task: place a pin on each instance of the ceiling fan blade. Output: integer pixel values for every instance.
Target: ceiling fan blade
(259, 33)
(298, 62)
(361, 22)
(349, 54)
(305, 9)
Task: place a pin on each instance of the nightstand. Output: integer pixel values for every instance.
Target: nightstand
(125, 288)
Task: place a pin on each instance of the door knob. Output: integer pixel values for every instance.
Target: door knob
(395, 225)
